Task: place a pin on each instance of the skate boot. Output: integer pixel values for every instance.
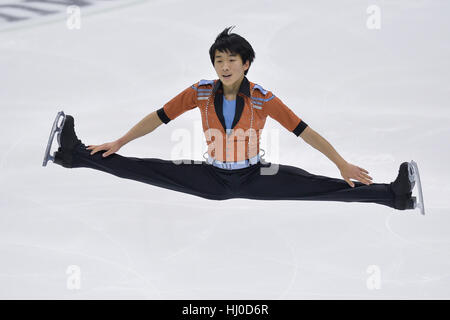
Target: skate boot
(405, 180)
(67, 140)
(405, 202)
(408, 177)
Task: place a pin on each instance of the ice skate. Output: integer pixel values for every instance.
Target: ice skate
(405, 181)
(405, 202)
(56, 128)
(67, 141)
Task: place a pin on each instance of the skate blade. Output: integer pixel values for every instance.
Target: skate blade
(420, 203)
(55, 129)
(411, 175)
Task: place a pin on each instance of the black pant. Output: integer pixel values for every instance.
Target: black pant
(206, 181)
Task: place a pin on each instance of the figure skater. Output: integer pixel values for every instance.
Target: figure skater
(233, 112)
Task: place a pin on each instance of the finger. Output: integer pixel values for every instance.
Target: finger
(350, 183)
(108, 152)
(364, 170)
(99, 148)
(95, 150)
(365, 181)
(365, 176)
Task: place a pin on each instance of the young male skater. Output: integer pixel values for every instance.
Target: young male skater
(233, 111)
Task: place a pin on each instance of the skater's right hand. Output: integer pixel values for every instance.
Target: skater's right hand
(110, 147)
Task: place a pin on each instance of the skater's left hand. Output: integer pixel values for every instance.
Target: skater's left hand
(350, 171)
(110, 147)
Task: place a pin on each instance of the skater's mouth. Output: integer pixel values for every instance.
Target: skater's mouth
(227, 76)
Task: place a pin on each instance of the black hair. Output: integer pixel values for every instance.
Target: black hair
(233, 43)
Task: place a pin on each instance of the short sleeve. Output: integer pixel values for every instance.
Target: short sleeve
(184, 101)
(276, 109)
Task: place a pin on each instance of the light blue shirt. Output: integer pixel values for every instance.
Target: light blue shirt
(229, 109)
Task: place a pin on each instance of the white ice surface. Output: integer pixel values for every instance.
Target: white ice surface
(380, 97)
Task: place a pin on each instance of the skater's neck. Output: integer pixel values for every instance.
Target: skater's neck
(233, 89)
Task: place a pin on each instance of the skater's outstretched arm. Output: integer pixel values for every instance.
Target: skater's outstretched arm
(143, 127)
(277, 110)
(348, 170)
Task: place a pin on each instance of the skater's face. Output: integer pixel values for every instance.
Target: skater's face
(231, 65)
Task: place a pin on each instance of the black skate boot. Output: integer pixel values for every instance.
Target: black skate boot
(404, 183)
(405, 202)
(68, 141)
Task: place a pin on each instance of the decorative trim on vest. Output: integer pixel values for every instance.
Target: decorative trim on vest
(205, 82)
(300, 127)
(162, 115)
(257, 86)
(265, 100)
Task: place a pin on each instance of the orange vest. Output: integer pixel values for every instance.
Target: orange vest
(253, 105)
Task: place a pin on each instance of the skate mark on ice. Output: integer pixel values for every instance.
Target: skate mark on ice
(411, 242)
(6, 154)
(206, 234)
(294, 264)
(62, 16)
(88, 256)
(116, 244)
